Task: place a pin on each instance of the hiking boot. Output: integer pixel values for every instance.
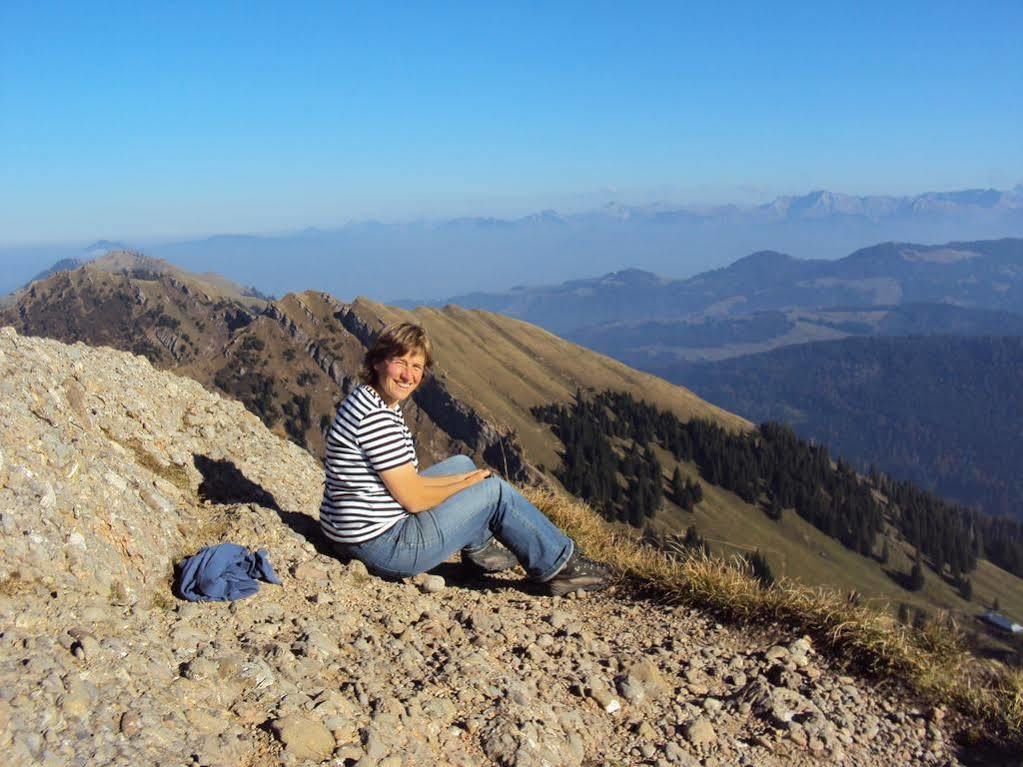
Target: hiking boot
(579, 572)
(492, 558)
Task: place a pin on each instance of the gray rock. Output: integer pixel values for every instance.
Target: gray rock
(700, 732)
(429, 584)
(304, 737)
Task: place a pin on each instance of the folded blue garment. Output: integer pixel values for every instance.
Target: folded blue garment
(224, 572)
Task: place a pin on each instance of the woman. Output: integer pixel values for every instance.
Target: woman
(379, 508)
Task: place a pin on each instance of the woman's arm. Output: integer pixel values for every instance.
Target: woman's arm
(416, 493)
(445, 480)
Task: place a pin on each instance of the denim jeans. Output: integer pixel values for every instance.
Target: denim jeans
(466, 521)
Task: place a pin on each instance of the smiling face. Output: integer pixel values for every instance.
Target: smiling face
(398, 377)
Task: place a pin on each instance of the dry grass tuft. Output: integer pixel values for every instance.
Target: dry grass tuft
(933, 660)
(14, 585)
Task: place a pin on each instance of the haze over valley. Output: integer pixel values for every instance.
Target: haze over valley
(419, 260)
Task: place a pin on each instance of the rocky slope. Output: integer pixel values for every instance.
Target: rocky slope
(110, 471)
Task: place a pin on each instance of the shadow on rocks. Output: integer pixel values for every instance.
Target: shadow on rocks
(223, 482)
(458, 575)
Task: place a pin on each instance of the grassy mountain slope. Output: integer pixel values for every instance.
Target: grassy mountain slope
(505, 366)
(798, 550)
(892, 402)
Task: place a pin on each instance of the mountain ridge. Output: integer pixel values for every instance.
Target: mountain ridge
(112, 471)
(985, 274)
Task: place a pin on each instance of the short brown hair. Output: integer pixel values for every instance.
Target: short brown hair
(395, 340)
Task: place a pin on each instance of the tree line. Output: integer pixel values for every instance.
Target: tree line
(771, 468)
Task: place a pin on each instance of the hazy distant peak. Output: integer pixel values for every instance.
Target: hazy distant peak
(762, 261)
(100, 247)
(547, 216)
(64, 265)
(632, 277)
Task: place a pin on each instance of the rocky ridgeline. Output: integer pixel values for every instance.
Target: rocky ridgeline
(111, 471)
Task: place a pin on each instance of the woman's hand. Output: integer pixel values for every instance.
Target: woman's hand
(416, 493)
(477, 476)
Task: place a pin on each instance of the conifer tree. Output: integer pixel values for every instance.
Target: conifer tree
(966, 590)
(916, 576)
(678, 488)
(760, 568)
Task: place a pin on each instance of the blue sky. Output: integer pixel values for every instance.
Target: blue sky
(149, 120)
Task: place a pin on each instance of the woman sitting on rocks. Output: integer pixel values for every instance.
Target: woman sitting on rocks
(379, 508)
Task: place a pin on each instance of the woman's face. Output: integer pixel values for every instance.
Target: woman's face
(398, 377)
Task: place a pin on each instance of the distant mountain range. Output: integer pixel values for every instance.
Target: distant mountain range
(770, 299)
(430, 260)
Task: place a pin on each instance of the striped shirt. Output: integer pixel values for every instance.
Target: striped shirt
(366, 438)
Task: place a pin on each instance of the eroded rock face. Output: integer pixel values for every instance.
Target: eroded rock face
(110, 471)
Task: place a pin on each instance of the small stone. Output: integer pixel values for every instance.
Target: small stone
(700, 732)
(116, 481)
(357, 569)
(712, 706)
(797, 734)
(307, 571)
(89, 646)
(76, 703)
(130, 724)
(632, 690)
(558, 619)
(303, 737)
(604, 697)
(650, 677)
(429, 584)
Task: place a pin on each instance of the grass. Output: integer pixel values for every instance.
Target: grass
(932, 661)
(14, 585)
(801, 552)
(176, 475)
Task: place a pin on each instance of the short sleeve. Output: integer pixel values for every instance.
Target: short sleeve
(382, 438)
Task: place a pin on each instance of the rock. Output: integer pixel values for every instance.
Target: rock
(700, 732)
(602, 695)
(87, 644)
(712, 706)
(130, 724)
(632, 690)
(76, 703)
(304, 737)
(429, 584)
(307, 571)
(357, 570)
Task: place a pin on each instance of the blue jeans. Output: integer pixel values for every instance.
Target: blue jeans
(466, 521)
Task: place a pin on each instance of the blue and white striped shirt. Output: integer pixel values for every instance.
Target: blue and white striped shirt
(366, 438)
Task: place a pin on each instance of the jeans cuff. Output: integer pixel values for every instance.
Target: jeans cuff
(566, 555)
(474, 549)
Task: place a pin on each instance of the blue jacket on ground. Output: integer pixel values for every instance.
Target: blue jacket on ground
(224, 572)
